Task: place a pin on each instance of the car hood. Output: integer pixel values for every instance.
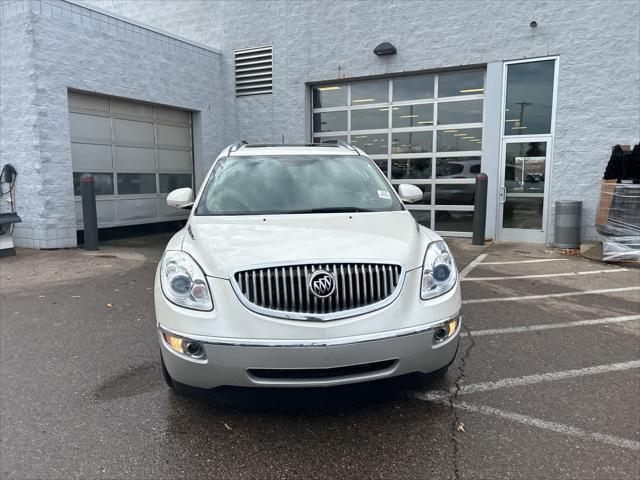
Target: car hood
(221, 244)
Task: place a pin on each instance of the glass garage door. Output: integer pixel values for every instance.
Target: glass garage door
(421, 129)
(137, 153)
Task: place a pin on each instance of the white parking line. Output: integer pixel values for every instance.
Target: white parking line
(551, 326)
(547, 377)
(531, 421)
(527, 261)
(466, 270)
(544, 275)
(550, 295)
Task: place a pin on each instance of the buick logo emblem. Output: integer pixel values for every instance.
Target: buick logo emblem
(322, 283)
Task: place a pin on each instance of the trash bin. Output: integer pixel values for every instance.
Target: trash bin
(567, 224)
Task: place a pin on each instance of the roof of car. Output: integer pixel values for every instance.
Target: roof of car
(292, 149)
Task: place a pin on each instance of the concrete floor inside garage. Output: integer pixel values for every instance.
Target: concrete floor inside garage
(545, 385)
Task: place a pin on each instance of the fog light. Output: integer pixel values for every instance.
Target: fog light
(445, 331)
(440, 334)
(184, 346)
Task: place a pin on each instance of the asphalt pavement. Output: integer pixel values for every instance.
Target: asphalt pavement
(545, 385)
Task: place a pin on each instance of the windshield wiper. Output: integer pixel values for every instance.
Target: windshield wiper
(332, 210)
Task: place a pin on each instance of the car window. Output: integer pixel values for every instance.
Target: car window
(257, 185)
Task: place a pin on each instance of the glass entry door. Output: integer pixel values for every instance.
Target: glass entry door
(523, 189)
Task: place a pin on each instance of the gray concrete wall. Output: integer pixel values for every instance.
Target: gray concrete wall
(46, 51)
(597, 41)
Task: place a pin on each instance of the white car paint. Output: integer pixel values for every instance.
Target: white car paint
(235, 338)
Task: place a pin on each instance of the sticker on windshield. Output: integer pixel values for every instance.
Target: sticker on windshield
(384, 194)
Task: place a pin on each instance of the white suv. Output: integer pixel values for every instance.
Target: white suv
(300, 266)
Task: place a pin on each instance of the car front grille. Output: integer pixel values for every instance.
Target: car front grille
(285, 291)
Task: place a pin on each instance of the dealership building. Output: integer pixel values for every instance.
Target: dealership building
(145, 94)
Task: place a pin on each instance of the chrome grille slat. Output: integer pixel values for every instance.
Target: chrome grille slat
(286, 288)
(276, 288)
(299, 287)
(385, 286)
(343, 282)
(292, 289)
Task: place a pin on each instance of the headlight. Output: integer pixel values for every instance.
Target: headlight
(439, 273)
(183, 281)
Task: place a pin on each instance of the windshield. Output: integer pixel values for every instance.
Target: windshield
(263, 185)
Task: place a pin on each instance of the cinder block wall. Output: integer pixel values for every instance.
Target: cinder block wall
(46, 52)
(597, 41)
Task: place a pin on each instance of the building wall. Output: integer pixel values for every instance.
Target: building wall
(50, 47)
(597, 41)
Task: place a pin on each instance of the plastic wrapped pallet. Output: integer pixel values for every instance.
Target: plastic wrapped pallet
(618, 221)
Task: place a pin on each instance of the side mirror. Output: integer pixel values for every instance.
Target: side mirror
(409, 193)
(180, 198)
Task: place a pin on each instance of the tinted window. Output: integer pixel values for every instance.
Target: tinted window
(461, 83)
(371, 143)
(136, 183)
(370, 92)
(330, 96)
(411, 142)
(411, 168)
(330, 121)
(459, 140)
(469, 111)
(103, 183)
(172, 181)
(529, 98)
(412, 88)
(369, 119)
(412, 116)
(264, 185)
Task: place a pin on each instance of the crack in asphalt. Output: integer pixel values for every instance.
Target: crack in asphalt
(453, 397)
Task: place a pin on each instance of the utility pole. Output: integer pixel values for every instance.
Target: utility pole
(522, 105)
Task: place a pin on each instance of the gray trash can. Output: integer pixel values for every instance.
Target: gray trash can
(567, 224)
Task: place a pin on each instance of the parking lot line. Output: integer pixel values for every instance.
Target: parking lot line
(543, 275)
(539, 260)
(551, 326)
(530, 421)
(547, 377)
(550, 295)
(466, 270)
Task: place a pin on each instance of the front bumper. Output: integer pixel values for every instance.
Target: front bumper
(310, 363)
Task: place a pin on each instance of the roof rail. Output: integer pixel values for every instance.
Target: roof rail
(343, 143)
(236, 146)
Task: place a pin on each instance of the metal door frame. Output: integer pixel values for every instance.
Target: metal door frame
(526, 235)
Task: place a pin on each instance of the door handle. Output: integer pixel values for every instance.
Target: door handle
(503, 194)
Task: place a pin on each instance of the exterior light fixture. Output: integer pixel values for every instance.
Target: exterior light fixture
(533, 24)
(385, 48)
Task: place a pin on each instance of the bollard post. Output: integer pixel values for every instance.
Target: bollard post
(480, 209)
(89, 214)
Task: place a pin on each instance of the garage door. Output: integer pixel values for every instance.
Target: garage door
(137, 152)
(424, 129)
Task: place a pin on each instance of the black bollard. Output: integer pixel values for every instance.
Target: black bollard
(89, 213)
(480, 209)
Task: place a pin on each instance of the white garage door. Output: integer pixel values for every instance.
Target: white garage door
(137, 153)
